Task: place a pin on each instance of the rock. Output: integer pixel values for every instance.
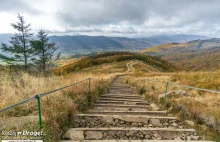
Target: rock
(155, 122)
(128, 134)
(165, 124)
(167, 135)
(169, 94)
(154, 107)
(188, 138)
(177, 138)
(72, 134)
(195, 137)
(143, 120)
(108, 119)
(139, 124)
(156, 135)
(180, 127)
(93, 135)
(181, 93)
(147, 136)
(189, 122)
(174, 125)
(134, 124)
(209, 121)
(130, 103)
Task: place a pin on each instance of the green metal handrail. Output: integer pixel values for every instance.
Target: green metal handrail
(38, 97)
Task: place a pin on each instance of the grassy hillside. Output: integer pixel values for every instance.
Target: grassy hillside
(57, 108)
(111, 57)
(194, 55)
(199, 106)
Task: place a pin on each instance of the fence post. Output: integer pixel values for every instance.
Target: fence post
(102, 81)
(165, 94)
(89, 93)
(39, 111)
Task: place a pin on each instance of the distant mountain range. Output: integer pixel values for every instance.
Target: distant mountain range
(70, 45)
(193, 55)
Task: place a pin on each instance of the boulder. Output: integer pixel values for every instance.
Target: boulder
(93, 135)
(72, 134)
(154, 107)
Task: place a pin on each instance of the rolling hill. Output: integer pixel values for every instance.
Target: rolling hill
(71, 45)
(111, 57)
(163, 39)
(194, 55)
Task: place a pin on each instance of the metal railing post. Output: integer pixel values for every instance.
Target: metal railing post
(165, 94)
(89, 92)
(39, 111)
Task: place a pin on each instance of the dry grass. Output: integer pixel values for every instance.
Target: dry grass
(57, 108)
(200, 106)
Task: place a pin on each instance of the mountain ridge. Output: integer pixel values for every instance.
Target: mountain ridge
(190, 56)
(82, 44)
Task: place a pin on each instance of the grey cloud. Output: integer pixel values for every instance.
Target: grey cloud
(17, 6)
(127, 17)
(95, 12)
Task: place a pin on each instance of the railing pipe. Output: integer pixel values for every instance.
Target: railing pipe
(39, 111)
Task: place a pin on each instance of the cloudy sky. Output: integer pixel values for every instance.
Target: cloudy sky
(128, 18)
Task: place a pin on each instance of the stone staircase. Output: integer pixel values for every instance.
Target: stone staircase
(124, 116)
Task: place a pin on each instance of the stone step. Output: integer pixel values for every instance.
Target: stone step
(121, 102)
(121, 90)
(122, 96)
(128, 112)
(121, 87)
(122, 106)
(133, 141)
(134, 133)
(100, 120)
(119, 99)
(120, 109)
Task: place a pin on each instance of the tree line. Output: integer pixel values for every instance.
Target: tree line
(26, 51)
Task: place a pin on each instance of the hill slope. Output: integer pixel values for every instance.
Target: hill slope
(163, 39)
(111, 57)
(71, 45)
(194, 55)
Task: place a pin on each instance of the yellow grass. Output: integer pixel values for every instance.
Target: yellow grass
(199, 104)
(58, 107)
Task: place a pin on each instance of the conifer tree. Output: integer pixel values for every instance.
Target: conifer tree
(19, 50)
(44, 51)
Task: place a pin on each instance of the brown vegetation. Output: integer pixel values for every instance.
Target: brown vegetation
(200, 106)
